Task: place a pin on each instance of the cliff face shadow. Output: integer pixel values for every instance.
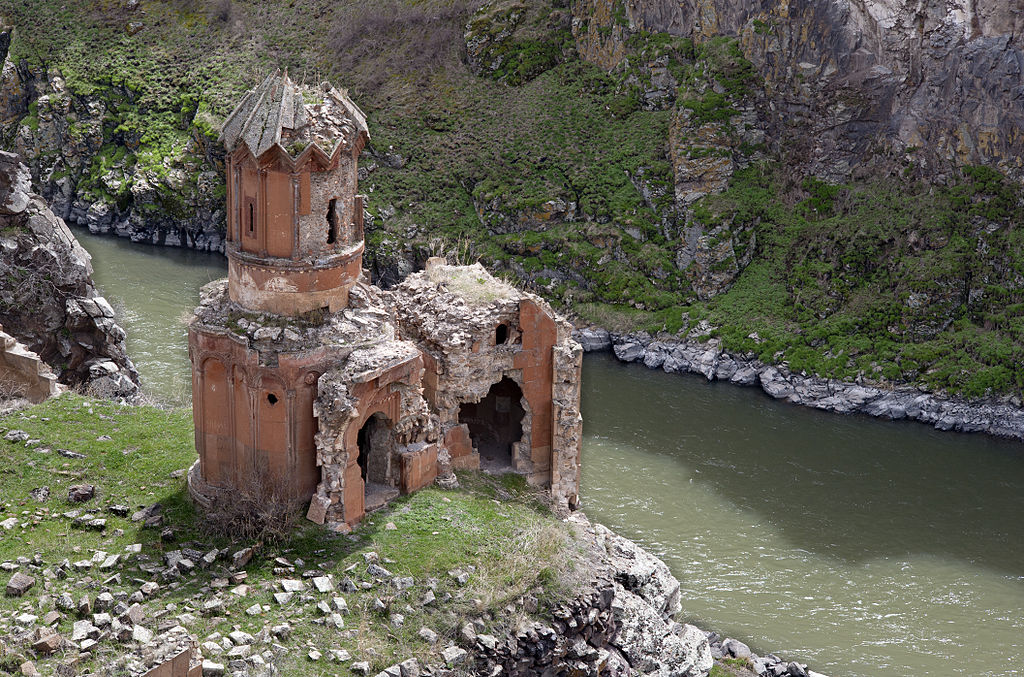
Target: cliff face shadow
(846, 487)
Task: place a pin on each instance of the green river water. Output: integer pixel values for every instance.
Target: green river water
(862, 547)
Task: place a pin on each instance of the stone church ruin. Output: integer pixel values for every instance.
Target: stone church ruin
(309, 384)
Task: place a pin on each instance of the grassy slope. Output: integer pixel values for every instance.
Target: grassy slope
(890, 279)
(923, 289)
(507, 540)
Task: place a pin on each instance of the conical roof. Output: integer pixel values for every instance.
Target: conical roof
(275, 114)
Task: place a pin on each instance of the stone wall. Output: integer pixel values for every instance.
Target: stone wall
(476, 331)
(22, 373)
(384, 380)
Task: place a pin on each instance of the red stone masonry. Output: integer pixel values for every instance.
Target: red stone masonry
(310, 385)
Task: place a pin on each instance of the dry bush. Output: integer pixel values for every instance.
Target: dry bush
(458, 252)
(393, 37)
(255, 512)
(11, 389)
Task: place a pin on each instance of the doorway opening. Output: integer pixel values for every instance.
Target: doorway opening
(377, 447)
(496, 424)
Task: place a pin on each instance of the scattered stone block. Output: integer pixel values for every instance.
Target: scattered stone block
(135, 613)
(238, 638)
(28, 669)
(454, 656)
(147, 512)
(79, 493)
(26, 619)
(409, 668)
(377, 571)
(317, 512)
(241, 558)
(211, 669)
(81, 630)
(104, 600)
(19, 584)
(142, 635)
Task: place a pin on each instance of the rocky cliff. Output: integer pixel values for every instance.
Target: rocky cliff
(840, 90)
(854, 85)
(47, 297)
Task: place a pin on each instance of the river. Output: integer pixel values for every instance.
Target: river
(153, 290)
(862, 547)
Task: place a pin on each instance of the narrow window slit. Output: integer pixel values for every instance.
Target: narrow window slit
(332, 221)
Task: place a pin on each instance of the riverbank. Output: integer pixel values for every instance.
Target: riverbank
(107, 565)
(1000, 418)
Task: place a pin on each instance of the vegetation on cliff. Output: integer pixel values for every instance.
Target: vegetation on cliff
(494, 139)
(888, 279)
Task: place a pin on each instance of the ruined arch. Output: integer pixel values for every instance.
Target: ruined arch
(496, 424)
(377, 447)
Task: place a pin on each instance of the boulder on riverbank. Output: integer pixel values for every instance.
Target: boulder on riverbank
(1001, 417)
(48, 300)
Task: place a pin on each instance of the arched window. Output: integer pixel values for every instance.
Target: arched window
(501, 334)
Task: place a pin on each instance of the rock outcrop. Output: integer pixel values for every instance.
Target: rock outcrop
(855, 86)
(47, 298)
(623, 623)
(841, 90)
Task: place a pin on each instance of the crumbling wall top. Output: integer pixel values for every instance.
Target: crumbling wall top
(452, 307)
(365, 322)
